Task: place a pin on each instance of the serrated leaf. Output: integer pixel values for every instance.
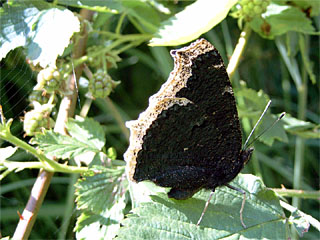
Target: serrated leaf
(102, 226)
(60, 146)
(35, 26)
(164, 218)
(99, 188)
(87, 137)
(87, 130)
(189, 24)
(101, 197)
(280, 19)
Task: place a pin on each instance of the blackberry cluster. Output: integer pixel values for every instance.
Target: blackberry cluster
(49, 79)
(38, 119)
(101, 85)
(253, 8)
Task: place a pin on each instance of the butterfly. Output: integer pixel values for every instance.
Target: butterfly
(189, 137)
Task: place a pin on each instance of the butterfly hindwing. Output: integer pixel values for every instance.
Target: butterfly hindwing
(189, 137)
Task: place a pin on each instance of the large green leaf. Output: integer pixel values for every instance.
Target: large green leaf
(87, 136)
(164, 218)
(101, 198)
(37, 27)
(189, 24)
(279, 19)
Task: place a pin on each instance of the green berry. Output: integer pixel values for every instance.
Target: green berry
(101, 85)
(252, 8)
(37, 119)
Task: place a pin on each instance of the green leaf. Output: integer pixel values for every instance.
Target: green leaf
(100, 196)
(141, 12)
(313, 6)
(164, 218)
(189, 24)
(279, 19)
(56, 145)
(87, 136)
(301, 128)
(87, 130)
(35, 26)
(255, 101)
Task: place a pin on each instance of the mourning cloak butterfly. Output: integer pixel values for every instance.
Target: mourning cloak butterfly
(189, 137)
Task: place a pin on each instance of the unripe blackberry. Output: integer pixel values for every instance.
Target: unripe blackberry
(38, 119)
(101, 85)
(49, 79)
(252, 8)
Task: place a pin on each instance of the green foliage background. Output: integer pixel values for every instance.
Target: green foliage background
(142, 70)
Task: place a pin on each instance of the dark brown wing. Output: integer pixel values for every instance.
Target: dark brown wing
(189, 137)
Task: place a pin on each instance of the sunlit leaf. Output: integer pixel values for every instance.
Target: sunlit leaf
(189, 24)
(164, 218)
(41, 30)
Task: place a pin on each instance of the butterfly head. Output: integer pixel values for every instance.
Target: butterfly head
(245, 155)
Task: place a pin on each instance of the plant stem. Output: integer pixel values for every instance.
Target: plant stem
(45, 163)
(119, 24)
(297, 193)
(238, 51)
(117, 116)
(300, 145)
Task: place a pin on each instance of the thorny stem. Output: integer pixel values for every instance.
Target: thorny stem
(45, 163)
(66, 110)
(297, 193)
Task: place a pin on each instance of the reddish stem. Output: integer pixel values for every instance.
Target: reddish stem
(66, 110)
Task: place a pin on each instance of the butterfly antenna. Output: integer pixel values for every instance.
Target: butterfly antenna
(277, 120)
(255, 126)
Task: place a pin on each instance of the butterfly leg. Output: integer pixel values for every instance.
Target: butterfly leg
(243, 201)
(205, 207)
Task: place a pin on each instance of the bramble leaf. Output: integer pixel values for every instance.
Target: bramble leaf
(101, 197)
(280, 19)
(163, 218)
(87, 136)
(35, 25)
